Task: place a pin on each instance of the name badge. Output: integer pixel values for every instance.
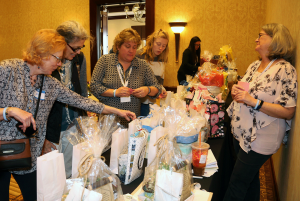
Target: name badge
(36, 94)
(125, 99)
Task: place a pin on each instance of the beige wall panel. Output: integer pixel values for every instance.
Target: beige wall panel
(217, 23)
(20, 19)
(287, 159)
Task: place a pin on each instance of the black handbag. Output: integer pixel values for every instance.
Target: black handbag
(16, 154)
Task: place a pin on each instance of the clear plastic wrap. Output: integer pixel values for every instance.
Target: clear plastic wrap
(93, 137)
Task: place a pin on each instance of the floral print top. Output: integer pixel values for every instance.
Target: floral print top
(278, 85)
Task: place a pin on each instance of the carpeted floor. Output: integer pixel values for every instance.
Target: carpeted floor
(267, 188)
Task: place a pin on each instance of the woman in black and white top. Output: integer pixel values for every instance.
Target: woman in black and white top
(19, 81)
(121, 79)
(261, 115)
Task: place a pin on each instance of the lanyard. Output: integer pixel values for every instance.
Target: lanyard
(268, 66)
(122, 76)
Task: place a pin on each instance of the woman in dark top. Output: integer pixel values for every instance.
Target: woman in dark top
(190, 60)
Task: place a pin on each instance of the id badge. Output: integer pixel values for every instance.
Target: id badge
(237, 106)
(125, 99)
(36, 94)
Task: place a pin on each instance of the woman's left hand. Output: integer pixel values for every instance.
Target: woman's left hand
(243, 96)
(140, 92)
(163, 94)
(128, 115)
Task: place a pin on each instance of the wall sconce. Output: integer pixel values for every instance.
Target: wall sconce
(177, 28)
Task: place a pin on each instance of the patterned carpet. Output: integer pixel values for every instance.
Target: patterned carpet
(267, 188)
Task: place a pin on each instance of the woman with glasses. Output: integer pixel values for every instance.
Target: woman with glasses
(156, 55)
(121, 79)
(190, 60)
(72, 74)
(261, 115)
(20, 81)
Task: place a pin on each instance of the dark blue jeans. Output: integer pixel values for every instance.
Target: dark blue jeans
(244, 182)
(26, 182)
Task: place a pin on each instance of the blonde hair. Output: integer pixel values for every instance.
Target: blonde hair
(282, 45)
(128, 34)
(147, 50)
(43, 43)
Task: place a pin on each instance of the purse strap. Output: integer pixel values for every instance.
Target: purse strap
(38, 101)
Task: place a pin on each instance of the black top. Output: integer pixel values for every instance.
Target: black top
(55, 116)
(188, 66)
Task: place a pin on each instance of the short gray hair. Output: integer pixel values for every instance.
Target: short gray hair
(72, 31)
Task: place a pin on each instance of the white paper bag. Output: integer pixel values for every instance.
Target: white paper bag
(168, 185)
(51, 176)
(119, 141)
(78, 154)
(154, 136)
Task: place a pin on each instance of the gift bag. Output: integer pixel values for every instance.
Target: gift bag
(152, 149)
(119, 142)
(131, 159)
(216, 113)
(78, 154)
(51, 176)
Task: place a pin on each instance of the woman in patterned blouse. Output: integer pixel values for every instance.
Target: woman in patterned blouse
(261, 115)
(19, 82)
(121, 79)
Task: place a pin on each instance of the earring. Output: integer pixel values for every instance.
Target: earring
(39, 67)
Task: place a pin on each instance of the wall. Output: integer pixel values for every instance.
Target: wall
(116, 26)
(287, 159)
(19, 20)
(217, 23)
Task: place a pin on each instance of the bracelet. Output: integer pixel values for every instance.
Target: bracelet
(149, 90)
(5, 113)
(256, 104)
(115, 93)
(260, 105)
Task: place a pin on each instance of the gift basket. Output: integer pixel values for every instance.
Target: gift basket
(168, 177)
(95, 181)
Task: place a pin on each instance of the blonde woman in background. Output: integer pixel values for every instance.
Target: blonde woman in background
(156, 55)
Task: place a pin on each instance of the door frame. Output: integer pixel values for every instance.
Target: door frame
(95, 21)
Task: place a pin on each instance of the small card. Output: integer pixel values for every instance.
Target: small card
(245, 85)
(36, 94)
(125, 99)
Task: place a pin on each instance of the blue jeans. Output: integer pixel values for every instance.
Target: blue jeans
(145, 109)
(244, 182)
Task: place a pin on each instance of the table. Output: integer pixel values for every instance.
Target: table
(222, 149)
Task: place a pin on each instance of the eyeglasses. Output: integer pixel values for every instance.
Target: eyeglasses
(75, 50)
(57, 58)
(261, 34)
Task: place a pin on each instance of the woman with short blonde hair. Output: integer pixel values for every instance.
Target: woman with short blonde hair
(128, 34)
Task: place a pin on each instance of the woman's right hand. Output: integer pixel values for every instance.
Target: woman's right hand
(22, 116)
(234, 90)
(123, 92)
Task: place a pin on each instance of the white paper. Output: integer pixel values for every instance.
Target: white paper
(154, 136)
(168, 185)
(76, 193)
(78, 154)
(51, 176)
(119, 141)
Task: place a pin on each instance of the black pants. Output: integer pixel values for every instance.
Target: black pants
(181, 77)
(27, 184)
(244, 182)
